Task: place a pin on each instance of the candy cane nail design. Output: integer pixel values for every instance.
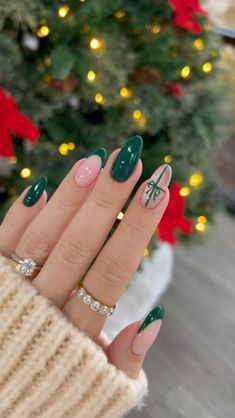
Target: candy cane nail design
(156, 187)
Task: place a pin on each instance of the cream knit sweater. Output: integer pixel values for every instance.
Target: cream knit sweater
(48, 368)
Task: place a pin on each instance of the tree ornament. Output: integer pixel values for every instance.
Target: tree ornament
(174, 217)
(143, 75)
(67, 85)
(30, 42)
(12, 121)
(183, 10)
(173, 88)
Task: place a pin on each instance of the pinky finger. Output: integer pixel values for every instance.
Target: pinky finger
(129, 348)
(20, 215)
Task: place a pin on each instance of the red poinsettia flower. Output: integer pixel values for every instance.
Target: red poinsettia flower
(183, 14)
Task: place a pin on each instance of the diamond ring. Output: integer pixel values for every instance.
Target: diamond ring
(94, 304)
(25, 266)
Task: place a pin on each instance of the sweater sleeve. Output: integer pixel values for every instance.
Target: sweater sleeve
(48, 368)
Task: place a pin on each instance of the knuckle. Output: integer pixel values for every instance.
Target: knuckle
(103, 201)
(113, 273)
(75, 253)
(135, 229)
(36, 243)
(63, 200)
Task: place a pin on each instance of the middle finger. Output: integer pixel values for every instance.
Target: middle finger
(85, 235)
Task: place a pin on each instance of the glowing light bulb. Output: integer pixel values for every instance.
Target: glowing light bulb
(142, 121)
(207, 67)
(146, 252)
(25, 173)
(196, 179)
(125, 92)
(201, 219)
(95, 43)
(168, 159)
(155, 29)
(63, 11)
(120, 14)
(71, 146)
(200, 227)
(185, 72)
(99, 98)
(136, 114)
(198, 44)
(184, 191)
(63, 149)
(120, 216)
(91, 76)
(43, 31)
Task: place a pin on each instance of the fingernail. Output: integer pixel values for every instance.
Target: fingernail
(148, 331)
(35, 191)
(156, 187)
(127, 159)
(90, 168)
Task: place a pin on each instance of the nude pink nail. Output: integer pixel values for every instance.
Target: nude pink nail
(156, 187)
(143, 341)
(88, 171)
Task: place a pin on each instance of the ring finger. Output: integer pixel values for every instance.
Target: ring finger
(117, 262)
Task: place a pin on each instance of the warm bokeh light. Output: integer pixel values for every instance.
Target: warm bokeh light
(185, 72)
(195, 179)
(146, 252)
(136, 114)
(95, 43)
(142, 121)
(120, 14)
(91, 76)
(99, 98)
(200, 227)
(168, 159)
(63, 11)
(155, 29)
(43, 31)
(201, 219)
(185, 191)
(71, 146)
(198, 44)
(207, 67)
(63, 149)
(125, 92)
(25, 173)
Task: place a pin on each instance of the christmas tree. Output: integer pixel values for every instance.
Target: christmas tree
(92, 73)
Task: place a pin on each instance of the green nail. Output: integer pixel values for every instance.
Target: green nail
(102, 153)
(35, 191)
(127, 159)
(155, 314)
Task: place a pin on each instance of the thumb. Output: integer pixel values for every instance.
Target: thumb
(128, 349)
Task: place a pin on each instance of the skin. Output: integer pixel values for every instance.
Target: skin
(67, 246)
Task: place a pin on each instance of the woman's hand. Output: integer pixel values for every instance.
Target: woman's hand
(67, 236)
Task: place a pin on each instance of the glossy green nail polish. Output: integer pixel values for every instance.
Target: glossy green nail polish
(35, 191)
(102, 153)
(155, 314)
(127, 159)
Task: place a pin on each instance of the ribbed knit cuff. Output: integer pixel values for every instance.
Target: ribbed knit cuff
(48, 368)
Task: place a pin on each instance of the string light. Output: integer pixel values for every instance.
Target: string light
(195, 179)
(25, 173)
(82, 1)
(43, 31)
(168, 159)
(156, 29)
(198, 44)
(142, 121)
(96, 44)
(99, 98)
(184, 191)
(12, 160)
(120, 216)
(91, 76)
(71, 146)
(185, 72)
(63, 11)
(125, 92)
(200, 227)
(120, 14)
(146, 252)
(63, 149)
(207, 67)
(201, 219)
(136, 114)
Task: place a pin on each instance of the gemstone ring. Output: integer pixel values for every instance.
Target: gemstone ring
(94, 304)
(25, 266)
